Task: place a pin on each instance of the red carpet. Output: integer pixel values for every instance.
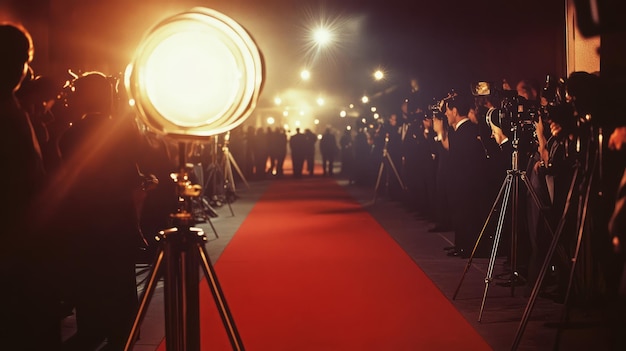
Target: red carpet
(309, 269)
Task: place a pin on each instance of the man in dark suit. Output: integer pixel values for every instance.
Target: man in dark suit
(470, 205)
(297, 144)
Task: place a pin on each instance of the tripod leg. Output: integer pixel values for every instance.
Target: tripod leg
(212, 226)
(544, 268)
(514, 230)
(229, 183)
(145, 299)
(471, 258)
(228, 174)
(537, 202)
(380, 174)
(496, 243)
(234, 163)
(220, 300)
(581, 227)
(395, 171)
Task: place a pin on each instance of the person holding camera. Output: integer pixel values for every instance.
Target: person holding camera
(467, 182)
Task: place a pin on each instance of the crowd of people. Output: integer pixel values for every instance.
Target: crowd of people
(531, 157)
(66, 147)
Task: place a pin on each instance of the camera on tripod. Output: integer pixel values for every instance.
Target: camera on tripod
(573, 103)
(511, 111)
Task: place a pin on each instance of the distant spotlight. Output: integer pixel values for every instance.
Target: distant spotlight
(373, 108)
(271, 120)
(322, 36)
(348, 127)
(305, 74)
(317, 121)
(285, 113)
(320, 101)
(378, 75)
(278, 101)
(343, 114)
(365, 99)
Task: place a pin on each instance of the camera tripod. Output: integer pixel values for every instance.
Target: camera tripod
(178, 258)
(386, 160)
(509, 191)
(585, 180)
(219, 172)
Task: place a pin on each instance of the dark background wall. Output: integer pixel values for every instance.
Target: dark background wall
(445, 43)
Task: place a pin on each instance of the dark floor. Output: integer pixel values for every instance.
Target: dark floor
(504, 307)
(588, 328)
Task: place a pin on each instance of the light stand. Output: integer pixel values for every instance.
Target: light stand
(180, 253)
(195, 74)
(508, 191)
(386, 160)
(216, 175)
(220, 170)
(229, 162)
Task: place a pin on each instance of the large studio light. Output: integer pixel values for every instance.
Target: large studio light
(195, 74)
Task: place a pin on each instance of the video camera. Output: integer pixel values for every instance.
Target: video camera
(511, 111)
(436, 108)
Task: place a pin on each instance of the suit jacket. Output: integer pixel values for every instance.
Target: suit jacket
(470, 199)
(468, 162)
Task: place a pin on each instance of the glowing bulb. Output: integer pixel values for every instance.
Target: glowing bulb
(197, 73)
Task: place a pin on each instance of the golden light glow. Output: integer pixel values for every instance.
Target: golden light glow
(379, 74)
(197, 73)
(188, 93)
(322, 36)
(305, 74)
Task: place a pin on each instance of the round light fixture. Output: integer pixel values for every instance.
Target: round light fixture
(195, 74)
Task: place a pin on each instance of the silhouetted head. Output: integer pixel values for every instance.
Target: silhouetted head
(17, 50)
(583, 89)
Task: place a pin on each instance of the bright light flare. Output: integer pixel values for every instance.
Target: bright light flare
(379, 74)
(326, 34)
(322, 36)
(188, 94)
(197, 73)
(305, 74)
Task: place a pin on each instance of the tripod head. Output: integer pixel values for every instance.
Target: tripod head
(186, 189)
